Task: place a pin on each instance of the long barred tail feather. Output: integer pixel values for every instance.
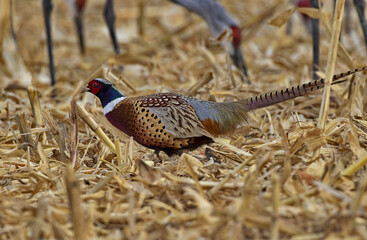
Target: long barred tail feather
(275, 97)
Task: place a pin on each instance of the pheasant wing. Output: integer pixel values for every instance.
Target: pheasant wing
(178, 117)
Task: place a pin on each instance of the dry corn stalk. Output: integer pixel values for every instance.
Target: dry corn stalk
(95, 127)
(333, 50)
(75, 203)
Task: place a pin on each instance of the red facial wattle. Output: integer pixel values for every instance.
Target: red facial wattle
(94, 87)
(236, 34)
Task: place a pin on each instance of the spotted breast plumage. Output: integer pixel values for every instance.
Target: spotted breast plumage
(159, 121)
(172, 121)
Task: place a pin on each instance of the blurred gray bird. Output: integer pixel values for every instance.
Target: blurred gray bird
(218, 19)
(76, 8)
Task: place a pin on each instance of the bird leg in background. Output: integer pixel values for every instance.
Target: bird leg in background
(360, 6)
(12, 23)
(312, 25)
(110, 20)
(47, 9)
(79, 27)
(315, 41)
(347, 16)
(78, 20)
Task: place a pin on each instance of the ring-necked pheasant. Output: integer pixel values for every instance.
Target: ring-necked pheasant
(172, 121)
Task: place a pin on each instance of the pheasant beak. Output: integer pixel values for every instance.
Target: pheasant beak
(85, 89)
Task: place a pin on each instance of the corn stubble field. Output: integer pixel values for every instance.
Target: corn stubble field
(278, 176)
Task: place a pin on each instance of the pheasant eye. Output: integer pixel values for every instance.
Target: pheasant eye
(94, 85)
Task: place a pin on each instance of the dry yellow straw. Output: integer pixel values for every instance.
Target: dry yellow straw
(81, 84)
(95, 127)
(4, 21)
(141, 18)
(44, 163)
(342, 51)
(37, 114)
(299, 197)
(275, 218)
(352, 169)
(232, 173)
(209, 57)
(35, 104)
(194, 176)
(74, 135)
(338, 15)
(73, 191)
(317, 13)
(118, 153)
(200, 83)
(118, 79)
(355, 205)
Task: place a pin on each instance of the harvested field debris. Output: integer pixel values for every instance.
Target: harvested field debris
(296, 170)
